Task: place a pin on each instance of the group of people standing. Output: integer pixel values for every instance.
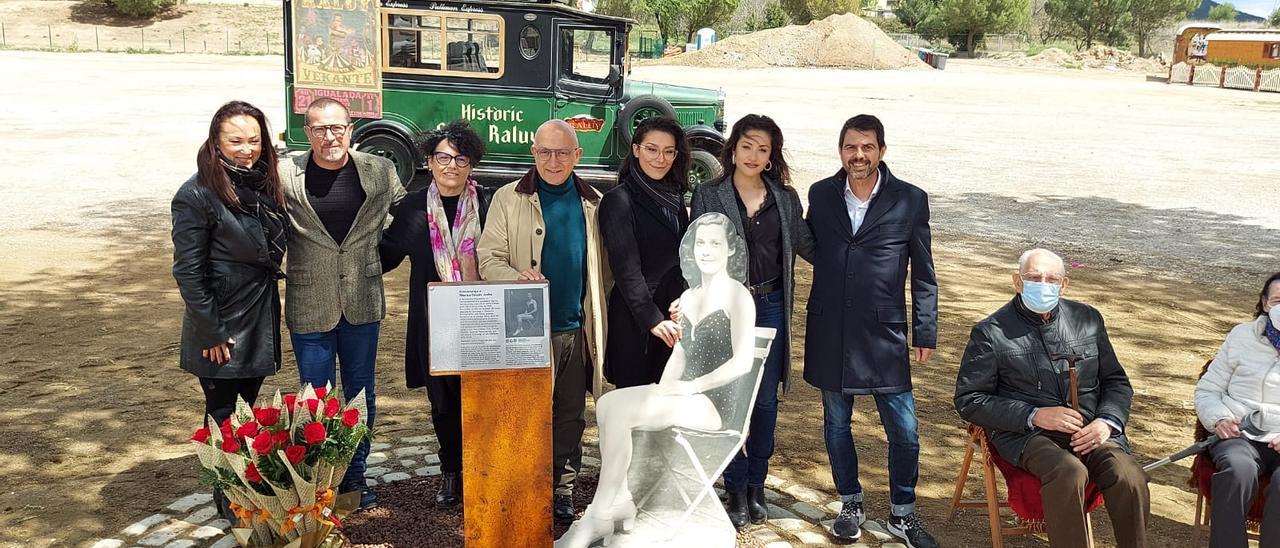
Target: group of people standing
(343, 219)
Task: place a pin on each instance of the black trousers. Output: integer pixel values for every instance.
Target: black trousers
(445, 395)
(569, 389)
(220, 396)
(1240, 462)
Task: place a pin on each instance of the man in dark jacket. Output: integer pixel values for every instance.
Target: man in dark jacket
(867, 226)
(1014, 382)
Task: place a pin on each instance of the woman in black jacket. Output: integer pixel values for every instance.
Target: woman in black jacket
(642, 220)
(438, 228)
(229, 234)
(756, 194)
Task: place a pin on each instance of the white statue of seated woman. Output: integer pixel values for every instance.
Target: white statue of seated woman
(716, 347)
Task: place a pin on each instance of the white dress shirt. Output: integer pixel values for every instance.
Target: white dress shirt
(856, 208)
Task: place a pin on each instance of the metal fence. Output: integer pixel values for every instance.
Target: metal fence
(129, 39)
(992, 43)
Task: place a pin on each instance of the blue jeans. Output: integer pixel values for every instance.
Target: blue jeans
(356, 347)
(898, 414)
(750, 469)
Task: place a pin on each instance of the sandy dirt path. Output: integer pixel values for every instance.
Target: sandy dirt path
(95, 410)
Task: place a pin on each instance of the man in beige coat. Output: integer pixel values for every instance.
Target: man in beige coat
(543, 227)
(338, 201)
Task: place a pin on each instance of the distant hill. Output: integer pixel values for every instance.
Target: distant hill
(1202, 13)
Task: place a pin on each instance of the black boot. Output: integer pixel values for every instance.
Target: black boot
(450, 493)
(738, 509)
(756, 505)
(223, 505)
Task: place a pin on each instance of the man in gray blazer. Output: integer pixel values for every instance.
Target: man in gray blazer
(338, 201)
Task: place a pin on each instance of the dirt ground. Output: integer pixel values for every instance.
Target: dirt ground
(1160, 193)
(91, 25)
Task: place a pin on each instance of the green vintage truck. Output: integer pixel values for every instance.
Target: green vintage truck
(504, 66)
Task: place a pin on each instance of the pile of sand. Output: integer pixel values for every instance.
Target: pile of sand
(1096, 57)
(839, 41)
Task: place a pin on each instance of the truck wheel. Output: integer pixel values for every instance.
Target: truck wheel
(392, 148)
(703, 167)
(641, 108)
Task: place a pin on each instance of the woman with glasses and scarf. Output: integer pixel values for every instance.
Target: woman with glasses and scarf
(642, 220)
(437, 229)
(1243, 382)
(229, 235)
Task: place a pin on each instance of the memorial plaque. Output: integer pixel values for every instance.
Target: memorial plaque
(496, 337)
(484, 326)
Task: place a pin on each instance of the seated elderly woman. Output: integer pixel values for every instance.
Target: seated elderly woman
(1243, 381)
(715, 348)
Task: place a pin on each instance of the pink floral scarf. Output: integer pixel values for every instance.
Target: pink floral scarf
(455, 250)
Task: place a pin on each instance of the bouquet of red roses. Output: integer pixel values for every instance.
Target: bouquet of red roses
(279, 465)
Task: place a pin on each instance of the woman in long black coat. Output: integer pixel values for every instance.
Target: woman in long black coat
(642, 220)
(437, 229)
(229, 234)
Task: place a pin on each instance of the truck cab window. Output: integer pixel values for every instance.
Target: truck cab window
(446, 44)
(586, 54)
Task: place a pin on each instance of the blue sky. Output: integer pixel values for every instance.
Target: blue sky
(1261, 8)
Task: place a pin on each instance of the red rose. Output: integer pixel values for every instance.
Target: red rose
(314, 433)
(281, 437)
(247, 430)
(331, 408)
(230, 445)
(267, 416)
(201, 435)
(322, 392)
(295, 453)
(350, 418)
(226, 423)
(312, 406)
(251, 474)
(290, 401)
(263, 443)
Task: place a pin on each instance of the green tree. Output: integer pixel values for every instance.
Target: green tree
(705, 13)
(975, 17)
(142, 8)
(914, 12)
(1223, 12)
(620, 8)
(1148, 16)
(1274, 20)
(1090, 21)
(775, 16)
(802, 12)
(772, 17)
(667, 15)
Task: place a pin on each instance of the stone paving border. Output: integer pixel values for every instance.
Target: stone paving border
(798, 515)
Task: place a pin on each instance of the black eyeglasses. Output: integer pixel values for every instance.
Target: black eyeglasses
(338, 130)
(443, 158)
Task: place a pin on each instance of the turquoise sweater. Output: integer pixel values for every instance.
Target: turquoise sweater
(564, 253)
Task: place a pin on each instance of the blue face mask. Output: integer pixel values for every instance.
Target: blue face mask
(1040, 297)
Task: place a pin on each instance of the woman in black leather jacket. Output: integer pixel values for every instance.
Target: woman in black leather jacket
(437, 229)
(229, 234)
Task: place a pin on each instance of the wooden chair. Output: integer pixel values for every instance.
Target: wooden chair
(1202, 471)
(1024, 492)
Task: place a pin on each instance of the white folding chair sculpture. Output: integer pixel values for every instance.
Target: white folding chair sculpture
(707, 453)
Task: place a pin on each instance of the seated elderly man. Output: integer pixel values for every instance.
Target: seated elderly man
(1014, 383)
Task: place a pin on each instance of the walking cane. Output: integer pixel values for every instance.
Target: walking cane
(1071, 376)
(1246, 426)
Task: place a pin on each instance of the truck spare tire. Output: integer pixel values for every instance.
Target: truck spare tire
(640, 108)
